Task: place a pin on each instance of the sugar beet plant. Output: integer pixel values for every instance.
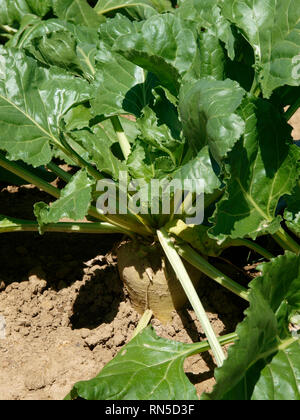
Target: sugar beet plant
(150, 91)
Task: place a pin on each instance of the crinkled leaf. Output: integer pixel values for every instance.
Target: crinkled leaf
(159, 136)
(208, 113)
(98, 145)
(164, 45)
(272, 27)
(73, 203)
(141, 162)
(112, 29)
(32, 103)
(78, 12)
(121, 87)
(40, 8)
(60, 43)
(147, 368)
(261, 170)
(57, 49)
(264, 363)
(137, 9)
(207, 14)
(212, 56)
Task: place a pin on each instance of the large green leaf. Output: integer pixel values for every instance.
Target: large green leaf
(121, 87)
(147, 368)
(32, 103)
(272, 27)
(137, 9)
(164, 45)
(264, 363)
(208, 113)
(73, 203)
(12, 12)
(78, 12)
(261, 169)
(207, 15)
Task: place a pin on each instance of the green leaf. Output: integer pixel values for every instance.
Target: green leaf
(165, 108)
(160, 46)
(112, 29)
(32, 103)
(292, 213)
(207, 15)
(98, 144)
(77, 118)
(197, 236)
(275, 382)
(261, 170)
(60, 43)
(73, 203)
(147, 368)
(159, 136)
(208, 113)
(121, 87)
(136, 9)
(199, 168)
(12, 12)
(273, 29)
(57, 49)
(141, 162)
(78, 12)
(241, 69)
(264, 363)
(40, 8)
(212, 56)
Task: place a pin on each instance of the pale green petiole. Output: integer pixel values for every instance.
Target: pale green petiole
(286, 242)
(122, 138)
(143, 322)
(210, 271)
(8, 224)
(191, 293)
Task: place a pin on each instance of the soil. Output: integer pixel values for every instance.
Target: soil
(67, 313)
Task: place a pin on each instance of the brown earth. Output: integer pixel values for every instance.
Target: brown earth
(67, 313)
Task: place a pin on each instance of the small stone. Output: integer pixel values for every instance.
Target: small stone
(34, 381)
(99, 336)
(47, 305)
(118, 339)
(37, 285)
